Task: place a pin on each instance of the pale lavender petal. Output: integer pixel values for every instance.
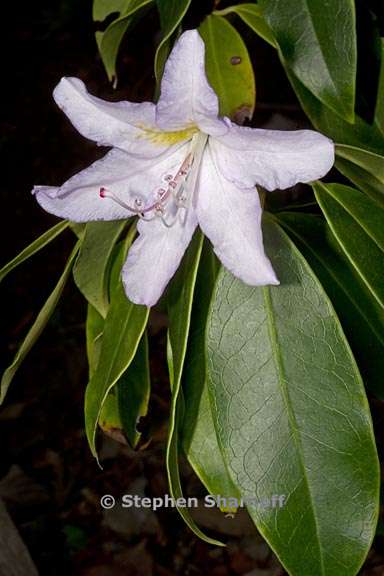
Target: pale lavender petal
(272, 158)
(127, 125)
(186, 97)
(231, 218)
(125, 176)
(154, 258)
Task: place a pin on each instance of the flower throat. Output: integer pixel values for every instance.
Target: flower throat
(174, 199)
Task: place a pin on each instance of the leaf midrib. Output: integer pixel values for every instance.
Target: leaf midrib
(355, 217)
(351, 258)
(288, 404)
(106, 389)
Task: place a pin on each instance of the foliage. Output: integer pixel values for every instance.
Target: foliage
(271, 401)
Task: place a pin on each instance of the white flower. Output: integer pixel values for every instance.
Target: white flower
(177, 165)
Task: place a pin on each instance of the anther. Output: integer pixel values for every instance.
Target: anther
(176, 188)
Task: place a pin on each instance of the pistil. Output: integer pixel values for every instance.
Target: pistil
(176, 196)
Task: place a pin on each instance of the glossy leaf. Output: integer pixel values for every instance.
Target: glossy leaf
(94, 327)
(38, 325)
(198, 432)
(362, 179)
(318, 43)
(91, 268)
(123, 329)
(180, 298)
(118, 258)
(103, 8)
(171, 13)
(252, 15)
(292, 417)
(33, 248)
(133, 391)
(128, 401)
(78, 228)
(109, 41)
(360, 134)
(364, 168)
(109, 419)
(357, 223)
(229, 68)
(361, 317)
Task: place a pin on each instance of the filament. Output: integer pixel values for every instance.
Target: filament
(177, 191)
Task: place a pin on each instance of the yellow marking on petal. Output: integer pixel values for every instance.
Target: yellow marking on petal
(168, 138)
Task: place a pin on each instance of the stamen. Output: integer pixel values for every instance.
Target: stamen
(183, 212)
(177, 188)
(168, 224)
(104, 193)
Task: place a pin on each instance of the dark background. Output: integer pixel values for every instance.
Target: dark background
(48, 479)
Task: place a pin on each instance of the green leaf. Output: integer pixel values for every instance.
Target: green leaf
(360, 134)
(92, 266)
(110, 420)
(94, 327)
(179, 298)
(357, 223)
(128, 400)
(292, 417)
(309, 35)
(78, 228)
(109, 41)
(38, 325)
(364, 168)
(379, 112)
(118, 258)
(229, 68)
(103, 8)
(123, 329)
(361, 317)
(198, 432)
(362, 179)
(33, 248)
(133, 391)
(171, 13)
(252, 15)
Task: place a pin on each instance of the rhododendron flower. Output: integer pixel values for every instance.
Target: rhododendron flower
(177, 164)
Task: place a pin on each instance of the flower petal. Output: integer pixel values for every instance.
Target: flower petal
(154, 258)
(272, 158)
(186, 98)
(126, 125)
(119, 173)
(231, 218)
